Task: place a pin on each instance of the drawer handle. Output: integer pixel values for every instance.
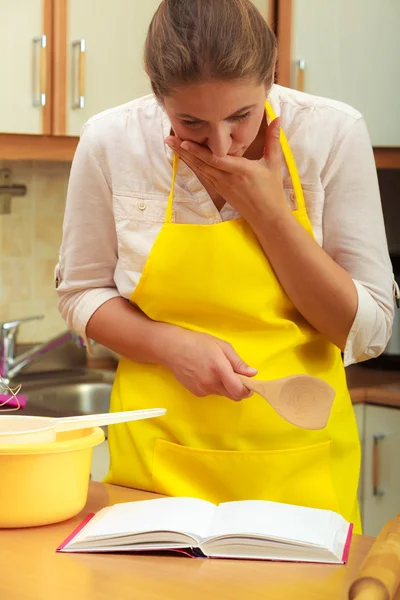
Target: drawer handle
(39, 73)
(78, 74)
(376, 464)
(301, 68)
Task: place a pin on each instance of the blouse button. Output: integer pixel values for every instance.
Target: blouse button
(142, 205)
(293, 201)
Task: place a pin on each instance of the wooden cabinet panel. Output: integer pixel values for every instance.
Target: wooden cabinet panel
(24, 73)
(359, 411)
(351, 52)
(264, 6)
(100, 462)
(113, 35)
(381, 456)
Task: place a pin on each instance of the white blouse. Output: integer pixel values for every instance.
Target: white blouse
(120, 181)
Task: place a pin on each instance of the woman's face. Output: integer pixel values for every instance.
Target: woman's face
(225, 116)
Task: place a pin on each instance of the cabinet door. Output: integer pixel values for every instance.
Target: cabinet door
(351, 53)
(100, 462)
(264, 6)
(105, 46)
(359, 411)
(381, 467)
(23, 62)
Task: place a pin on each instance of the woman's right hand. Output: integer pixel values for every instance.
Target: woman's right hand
(206, 365)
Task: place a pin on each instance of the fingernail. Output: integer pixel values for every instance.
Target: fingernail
(170, 142)
(185, 146)
(252, 371)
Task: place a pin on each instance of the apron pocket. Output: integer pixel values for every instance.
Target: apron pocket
(299, 476)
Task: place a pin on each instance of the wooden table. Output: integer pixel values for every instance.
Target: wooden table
(30, 569)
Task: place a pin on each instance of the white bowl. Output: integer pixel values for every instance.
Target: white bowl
(23, 429)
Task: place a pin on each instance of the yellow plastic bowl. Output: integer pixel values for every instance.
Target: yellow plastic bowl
(46, 483)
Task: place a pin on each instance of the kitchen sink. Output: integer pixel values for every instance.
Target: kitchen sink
(67, 393)
(68, 399)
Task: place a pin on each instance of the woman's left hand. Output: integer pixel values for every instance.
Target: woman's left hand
(251, 188)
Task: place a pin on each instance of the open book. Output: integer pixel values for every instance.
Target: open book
(251, 529)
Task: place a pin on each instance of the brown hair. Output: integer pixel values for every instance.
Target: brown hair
(195, 40)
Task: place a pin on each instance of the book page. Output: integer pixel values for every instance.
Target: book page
(296, 524)
(184, 515)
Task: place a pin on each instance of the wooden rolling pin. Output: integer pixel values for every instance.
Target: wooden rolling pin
(379, 577)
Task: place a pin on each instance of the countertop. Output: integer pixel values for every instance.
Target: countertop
(367, 384)
(32, 570)
(374, 386)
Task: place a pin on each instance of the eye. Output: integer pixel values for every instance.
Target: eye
(239, 118)
(191, 123)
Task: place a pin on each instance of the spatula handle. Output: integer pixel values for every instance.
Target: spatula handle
(72, 423)
(249, 382)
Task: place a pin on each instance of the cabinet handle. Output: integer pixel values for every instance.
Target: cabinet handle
(301, 67)
(78, 74)
(39, 79)
(376, 464)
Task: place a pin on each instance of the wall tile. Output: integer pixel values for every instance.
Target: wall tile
(30, 238)
(20, 309)
(48, 233)
(43, 280)
(50, 193)
(17, 235)
(23, 174)
(16, 279)
(53, 324)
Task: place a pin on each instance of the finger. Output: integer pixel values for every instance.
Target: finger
(272, 149)
(197, 165)
(238, 364)
(207, 175)
(233, 386)
(201, 153)
(211, 384)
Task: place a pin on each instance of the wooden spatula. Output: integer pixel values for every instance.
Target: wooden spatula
(302, 400)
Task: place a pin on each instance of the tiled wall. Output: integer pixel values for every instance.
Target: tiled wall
(29, 242)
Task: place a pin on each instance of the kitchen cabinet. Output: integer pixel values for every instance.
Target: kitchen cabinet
(379, 494)
(104, 56)
(265, 7)
(349, 51)
(66, 60)
(63, 62)
(359, 411)
(100, 462)
(25, 35)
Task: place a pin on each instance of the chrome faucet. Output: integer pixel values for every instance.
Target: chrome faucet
(11, 365)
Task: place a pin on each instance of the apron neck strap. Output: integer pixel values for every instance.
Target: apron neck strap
(290, 162)
(168, 215)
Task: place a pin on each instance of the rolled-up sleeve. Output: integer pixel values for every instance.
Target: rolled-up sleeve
(88, 253)
(354, 236)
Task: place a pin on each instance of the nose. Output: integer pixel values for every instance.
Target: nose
(220, 141)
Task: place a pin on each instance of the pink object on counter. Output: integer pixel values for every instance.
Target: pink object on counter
(12, 402)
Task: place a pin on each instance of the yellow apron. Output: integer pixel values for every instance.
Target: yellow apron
(216, 279)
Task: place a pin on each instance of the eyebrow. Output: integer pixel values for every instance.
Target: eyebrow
(238, 112)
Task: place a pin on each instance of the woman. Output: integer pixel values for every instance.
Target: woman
(196, 253)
